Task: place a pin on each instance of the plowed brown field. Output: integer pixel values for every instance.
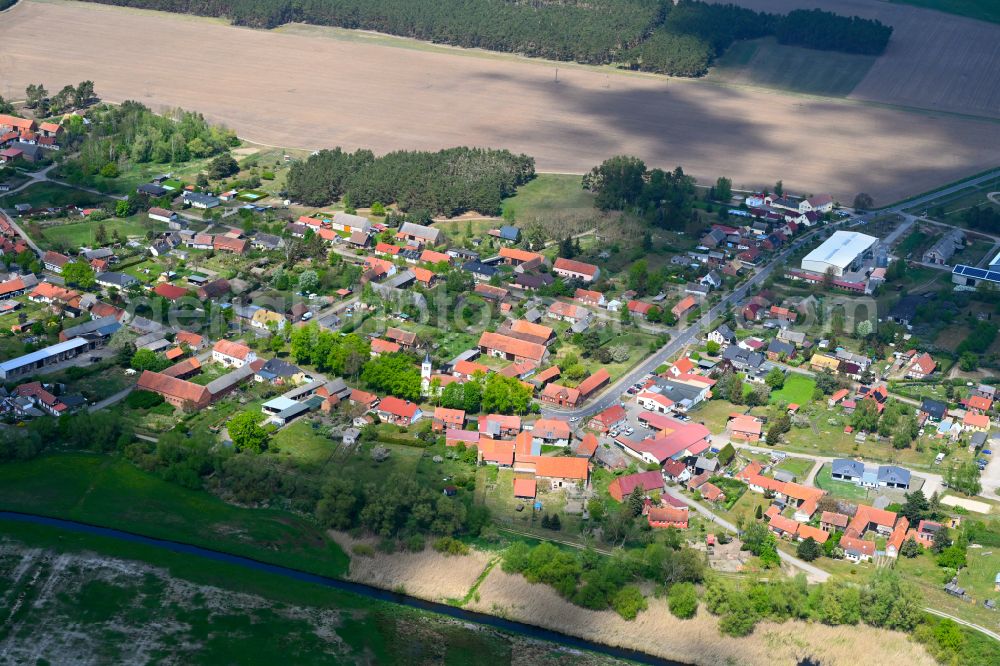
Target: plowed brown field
(312, 91)
(934, 60)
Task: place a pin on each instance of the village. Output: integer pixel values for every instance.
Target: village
(772, 376)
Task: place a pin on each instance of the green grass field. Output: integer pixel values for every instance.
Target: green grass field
(765, 63)
(41, 195)
(74, 234)
(550, 193)
(839, 488)
(109, 491)
(209, 612)
(798, 389)
(800, 467)
(983, 10)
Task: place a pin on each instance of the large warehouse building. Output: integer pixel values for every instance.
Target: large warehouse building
(844, 251)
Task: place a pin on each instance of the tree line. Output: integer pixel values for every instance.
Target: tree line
(652, 35)
(447, 182)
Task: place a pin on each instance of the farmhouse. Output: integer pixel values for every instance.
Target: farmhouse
(177, 392)
(419, 233)
(660, 517)
(921, 366)
(398, 411)
(744, 428)
(512, 349)
(445, 419)
(575, 270)
(561, 396)
(684, 306)
(646, 482)
(552, 432)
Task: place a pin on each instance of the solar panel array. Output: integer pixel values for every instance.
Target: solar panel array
(977, 273)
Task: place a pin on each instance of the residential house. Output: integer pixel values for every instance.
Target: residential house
(661, 517)
(722, 336)
(552, 432)
(516, 257)
(589, 297)
(560, 396)
(510, 348)
(447, 419)
(610, 418)
(232, 354)
(639, 308)
(54, 261)
(744, 428)
(499, 425)
(419, 234)
(921, 367)
(398, 411)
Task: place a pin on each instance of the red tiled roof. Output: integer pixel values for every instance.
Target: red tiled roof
(519, 255)
(380, 346)
(509, 345)
(560, 393)
(623, 486)
(398, 407)
(593, 382)
(233, 349)
(574, 266)
(172, 387)
(588, 445)
(525, 488)
(449, 416)
(171, 292)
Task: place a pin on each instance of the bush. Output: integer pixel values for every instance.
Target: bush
(416, 543)
(683, 600)
(139, 399)
(628, 601)
(450, 546)
(363, 549)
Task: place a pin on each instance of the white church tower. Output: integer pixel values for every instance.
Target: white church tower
(425, 374)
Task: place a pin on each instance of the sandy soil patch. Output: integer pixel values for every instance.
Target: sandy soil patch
(428, 575)
(934, 60)
(314, 92)
(658, 632)
(970, 504)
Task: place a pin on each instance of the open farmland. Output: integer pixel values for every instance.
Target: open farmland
(314, 90)
(934, 60)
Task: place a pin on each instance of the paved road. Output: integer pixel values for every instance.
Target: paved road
(813, 573)
(932, 196)
(611, 395)
(110, 400)
(20, 232)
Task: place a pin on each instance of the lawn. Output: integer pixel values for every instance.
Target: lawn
(41, 195)
(307, 446)
(798, 389)
(550, 193)
(215, 612)
(109, 491)
(841, 489)
(74, 234)
(800, 467)
(714, 414)
(764, 62)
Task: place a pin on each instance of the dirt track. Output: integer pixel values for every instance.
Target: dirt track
(313, 91)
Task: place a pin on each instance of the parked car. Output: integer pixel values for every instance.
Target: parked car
(987, 452)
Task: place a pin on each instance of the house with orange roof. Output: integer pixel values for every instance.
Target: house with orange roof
(423, 276)
(232, 354)
(806, 531)
(837, 397)
(681, 366)
(490, 292)
(683, 306)
(712, 492)
(171, 292)
(515, 257)
(609, 418)
(973, 422)
(510, 348)
(560, 396)
(398, 411)
(386, 249)
(192, 340)
(921, 367)
(369, 401)
(499, 425)
(464, 369)
(532, 332)
(588, 446)
(744, 428)
(831, 521)
(978, 403)
(380, 268)
(661, 517)
(224, 243)
(654, 402)
(557, 471)
(784, 527)
(639, 308)
(497, 452)
(647, 482)
(445, 418)
(551, 432)
(177, 392)
(380, 346)
(434, 257)
(575, 270)
(567, 312)
(784, 314)
(547, 375)
(589, 297)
